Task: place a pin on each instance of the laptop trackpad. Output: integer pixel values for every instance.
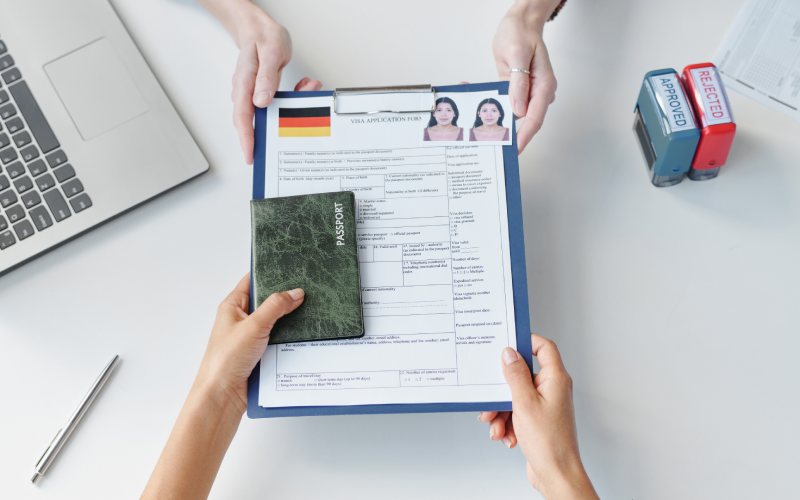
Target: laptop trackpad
(96, 89)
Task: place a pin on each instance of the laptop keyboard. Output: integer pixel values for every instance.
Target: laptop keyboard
(38, 185)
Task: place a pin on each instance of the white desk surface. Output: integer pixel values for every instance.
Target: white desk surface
(676, 309)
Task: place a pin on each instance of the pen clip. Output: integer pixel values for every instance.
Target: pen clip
(49, 447)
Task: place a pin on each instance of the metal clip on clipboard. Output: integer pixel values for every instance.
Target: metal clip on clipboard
(373, 100)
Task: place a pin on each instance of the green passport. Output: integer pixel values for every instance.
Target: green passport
(309, 241)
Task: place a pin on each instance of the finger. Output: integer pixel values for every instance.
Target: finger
(511, 437)
(519, 83)
(274, 307)
(243, 112)
(546, 352)
(487, 416)
(497, 428)
(553, 380)
(301, 83)
(268, 77)
(233, 308)
(518, 377)
(542, 93)
(307, 84)
(243, 122)
(240, 296)
(519, 88)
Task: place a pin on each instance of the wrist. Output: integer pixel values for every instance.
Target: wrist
(217, 394)
(241, 18)
(250, 22)
(534, 12)
(569, 481)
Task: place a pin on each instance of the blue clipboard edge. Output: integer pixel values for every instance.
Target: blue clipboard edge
(518, 275)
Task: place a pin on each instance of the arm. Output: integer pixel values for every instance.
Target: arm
(198, 442)
(518, 44)
(542, 423)
(265, 48)
(211, 414)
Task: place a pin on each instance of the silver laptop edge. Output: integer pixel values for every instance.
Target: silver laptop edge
(112, 119)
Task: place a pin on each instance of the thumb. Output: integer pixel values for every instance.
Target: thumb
(519, 91)
(267, 79)
(518, 377)
(275, 307)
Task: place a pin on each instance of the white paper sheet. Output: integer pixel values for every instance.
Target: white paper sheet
(760, 56)
(434, 259)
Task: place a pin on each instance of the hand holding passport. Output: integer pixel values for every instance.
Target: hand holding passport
(309, 242)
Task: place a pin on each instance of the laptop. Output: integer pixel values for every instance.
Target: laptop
(86, 131)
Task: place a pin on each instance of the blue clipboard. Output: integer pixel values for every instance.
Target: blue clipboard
(518, 276)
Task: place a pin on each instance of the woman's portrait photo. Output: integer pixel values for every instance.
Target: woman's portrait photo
(489, 122)
(443, 125)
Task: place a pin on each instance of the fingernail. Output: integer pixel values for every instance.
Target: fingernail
(509, 355)
(479, 417)
(491, 433)
(507, 442)
(296, 294)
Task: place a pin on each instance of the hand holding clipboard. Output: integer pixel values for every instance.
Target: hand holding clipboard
(265, 46)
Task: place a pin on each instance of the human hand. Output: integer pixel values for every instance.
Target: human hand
(542, 422)
(211, 414)
(518, 43)
(238, 340)
(265, 48)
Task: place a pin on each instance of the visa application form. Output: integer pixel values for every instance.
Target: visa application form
(432, 235)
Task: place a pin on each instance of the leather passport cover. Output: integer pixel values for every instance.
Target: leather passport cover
(309, 241)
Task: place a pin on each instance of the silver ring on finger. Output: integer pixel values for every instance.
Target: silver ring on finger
(521, 70)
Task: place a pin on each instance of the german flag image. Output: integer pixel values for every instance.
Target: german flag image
(304, 122)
